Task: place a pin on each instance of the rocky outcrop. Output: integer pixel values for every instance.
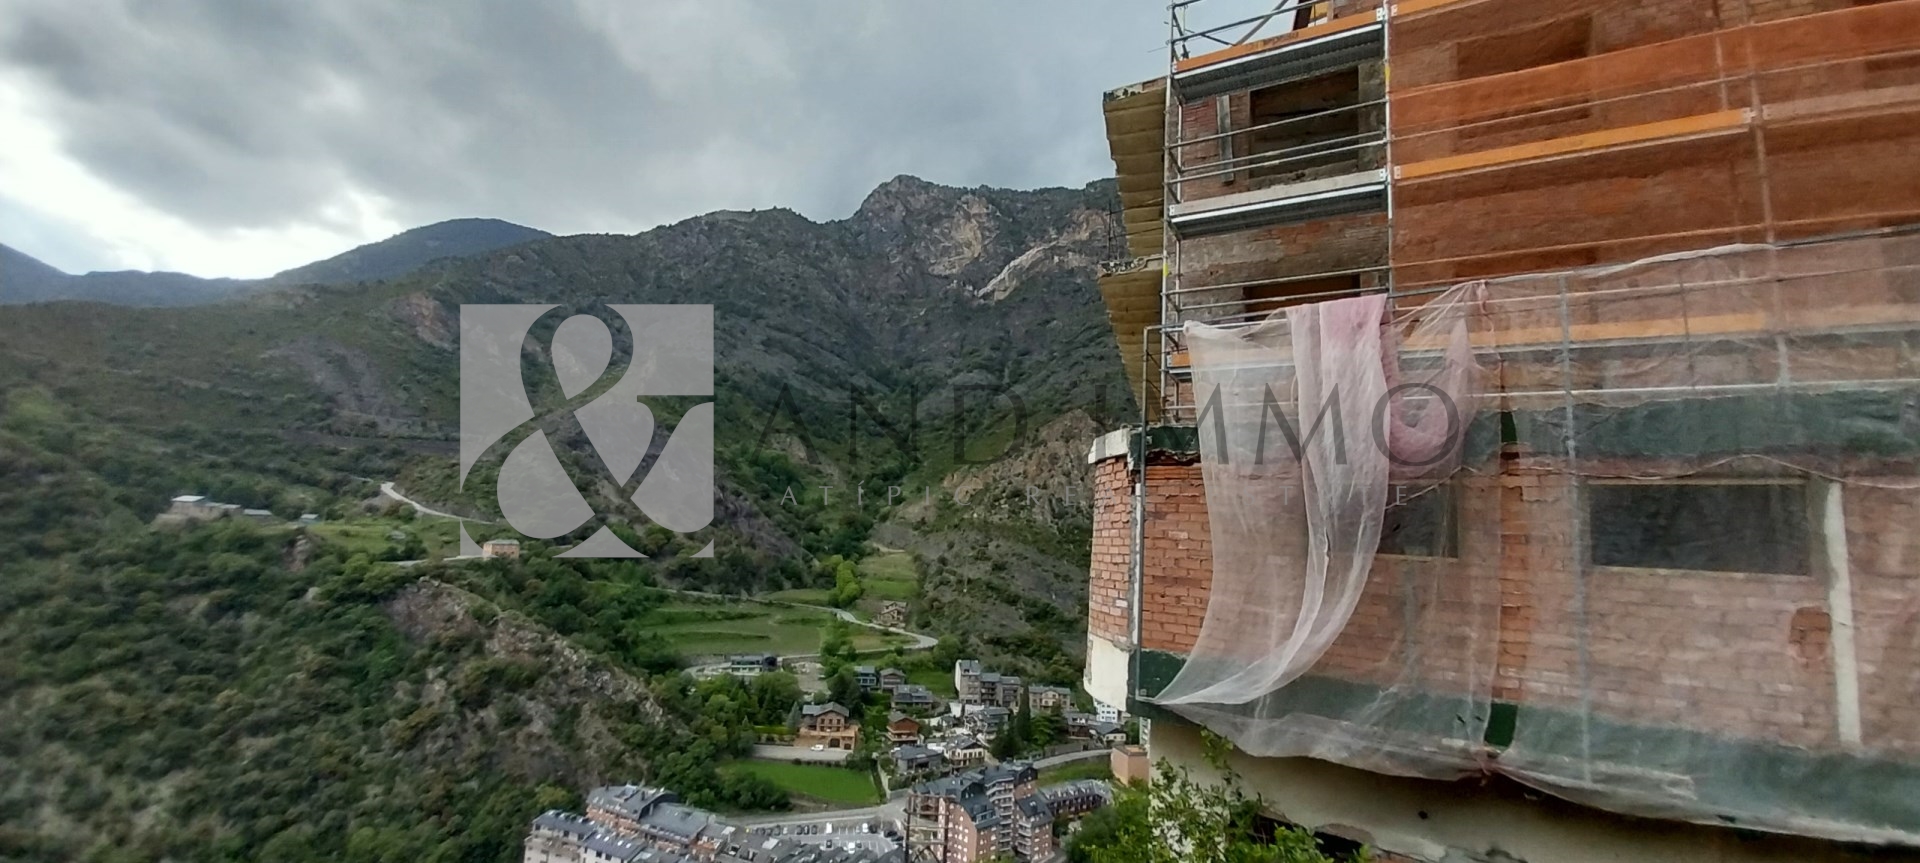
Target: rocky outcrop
(515, 694)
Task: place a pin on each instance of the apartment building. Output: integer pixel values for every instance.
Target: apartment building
(1527, 460)
(969, 816)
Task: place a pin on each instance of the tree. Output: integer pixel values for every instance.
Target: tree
(836, 646)
(1177, 820)
(846, 586)
(774, 695)
(946, 651)
(844, 688)
(1022, 725)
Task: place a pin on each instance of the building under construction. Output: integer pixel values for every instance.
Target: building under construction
(1529, 455)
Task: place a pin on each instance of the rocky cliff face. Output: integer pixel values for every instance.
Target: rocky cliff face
(518, 698)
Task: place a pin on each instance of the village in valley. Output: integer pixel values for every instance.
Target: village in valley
(904, 760)
(950, 795)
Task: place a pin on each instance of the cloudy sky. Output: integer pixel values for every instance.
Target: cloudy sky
(240, 137)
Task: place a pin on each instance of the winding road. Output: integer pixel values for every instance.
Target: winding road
(921, 641)
(387, 489)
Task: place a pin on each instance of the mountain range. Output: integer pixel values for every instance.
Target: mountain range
(948, 342)
(24, 279)
(924, 376)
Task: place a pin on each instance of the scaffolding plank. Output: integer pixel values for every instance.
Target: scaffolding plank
(1699, 124)
(1233, 52)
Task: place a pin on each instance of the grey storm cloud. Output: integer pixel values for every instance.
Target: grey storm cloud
(570, 116)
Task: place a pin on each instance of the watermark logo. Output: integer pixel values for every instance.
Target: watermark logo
(671, 355)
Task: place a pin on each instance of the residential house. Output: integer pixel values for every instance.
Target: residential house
(913, 697)
(500, 549)
(193, 506)
(752, 664)
(902, 729)
(829, 725)
(892, 679)
(605, 847)
(1107, 732)
(987, 721)
(867, 676)
(557, 837)
(911, 759)
(1645, 587)
(1076, 798)
(964, 751)
(892, 613)
(1049, 699)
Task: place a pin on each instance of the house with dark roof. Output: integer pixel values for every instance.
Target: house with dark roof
(752, 664)
(912, 759)
(902, 730)
(970, 816)
(1032, 829)
(988, 720)
(620, 807)
(557, 837)
(829, 725)
(913, 697)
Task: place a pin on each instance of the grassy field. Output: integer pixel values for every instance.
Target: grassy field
(821, 782)
(369, 535)
(940, 680)
(803, 595)
(889, 575)
(702, 628)
(1095, 768)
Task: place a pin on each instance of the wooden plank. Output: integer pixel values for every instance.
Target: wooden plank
(1415, 7)
(1232, 52)
(1699, 124)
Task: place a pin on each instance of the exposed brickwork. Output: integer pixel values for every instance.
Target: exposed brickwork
(1199, 121)
(1107, 594)
(1739, 655)
(1802, 68)
(1179, 557)
(1885, 568)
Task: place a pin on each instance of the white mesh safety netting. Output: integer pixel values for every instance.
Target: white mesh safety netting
(1314, 426)
(1664, 516)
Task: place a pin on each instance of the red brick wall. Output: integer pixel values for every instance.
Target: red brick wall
(1742, 655)
(1648, 61)
(1179, 557)
(1108, 592)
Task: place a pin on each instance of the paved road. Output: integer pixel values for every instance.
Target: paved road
(1071, 757)
(386, 488)
(799, 753)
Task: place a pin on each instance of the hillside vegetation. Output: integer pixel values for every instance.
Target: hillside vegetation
(248, 691)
